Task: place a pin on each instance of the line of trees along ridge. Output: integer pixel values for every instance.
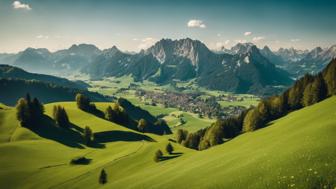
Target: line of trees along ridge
(306, 91)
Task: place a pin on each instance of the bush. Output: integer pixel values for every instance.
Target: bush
(80, 161)
(158, 155)
(142, 125)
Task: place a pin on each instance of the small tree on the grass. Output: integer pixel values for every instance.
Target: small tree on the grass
(61, 117)
(169, 148)
(103, 177)
(158, 155)
(142, 124)
(87, 135)
(22, 111)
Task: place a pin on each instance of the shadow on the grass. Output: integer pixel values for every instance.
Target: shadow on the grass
(112, 136)
(165, 158)
(47, 128)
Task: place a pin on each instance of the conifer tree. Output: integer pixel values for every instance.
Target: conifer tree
(103, 177)
(87, 136)
(169, 148)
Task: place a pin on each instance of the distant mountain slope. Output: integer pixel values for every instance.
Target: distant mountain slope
(300, 62)
(13, 89)
(42, 61)
(248, 72)
(314, 61)
(272, 57)
(7, 71)
(36, 60)
(291, 54)
(185, 59)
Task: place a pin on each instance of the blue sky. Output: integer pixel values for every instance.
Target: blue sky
(132, 25)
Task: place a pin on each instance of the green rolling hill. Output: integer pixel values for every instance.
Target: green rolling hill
(296, 151)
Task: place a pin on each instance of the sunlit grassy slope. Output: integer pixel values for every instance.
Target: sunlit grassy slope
(296, 151)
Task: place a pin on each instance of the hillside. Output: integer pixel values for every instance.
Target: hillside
(13, 89)
(295, 151)
(7, 71)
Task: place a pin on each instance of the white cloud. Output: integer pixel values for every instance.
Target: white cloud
(257, 39)
(196, 24)
(146, 43)
(227, 42)
(19, 5)
(248, 33)
(42, 37)
(295, 40)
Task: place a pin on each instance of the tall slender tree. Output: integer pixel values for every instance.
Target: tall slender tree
(103, 177)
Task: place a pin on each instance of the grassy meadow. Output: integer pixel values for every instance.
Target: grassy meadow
(296, 151)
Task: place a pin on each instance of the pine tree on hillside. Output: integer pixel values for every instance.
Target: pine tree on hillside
(315, 91)
(29, 112)
(252, 121)
(22, 112)
(169, 148)
(87, 136)
(83, 102)
(103, 177)
(61, 117)
(110, 114)
(329, 75)
(295, 93)
(37, 107)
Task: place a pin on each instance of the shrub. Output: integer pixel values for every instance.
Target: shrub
(158, 155)
(169, 148)
(80, 161)
(142, 125)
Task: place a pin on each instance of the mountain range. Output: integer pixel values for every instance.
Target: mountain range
(168, 60)
(242, 69)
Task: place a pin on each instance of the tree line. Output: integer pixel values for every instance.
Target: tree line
(306, 91)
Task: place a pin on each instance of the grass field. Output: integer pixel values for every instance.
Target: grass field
(296, 151)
